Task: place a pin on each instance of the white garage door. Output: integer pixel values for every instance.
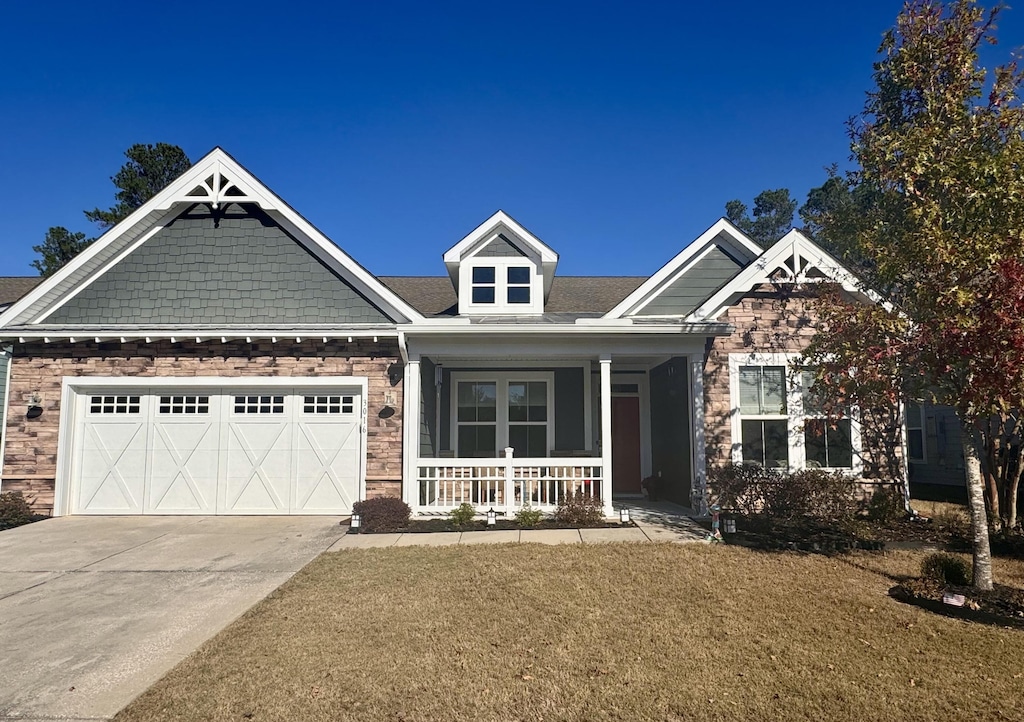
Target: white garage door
(217, 451)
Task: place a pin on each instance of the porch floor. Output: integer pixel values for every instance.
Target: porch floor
(660, 521)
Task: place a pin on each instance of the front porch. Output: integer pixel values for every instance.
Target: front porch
(517, 433)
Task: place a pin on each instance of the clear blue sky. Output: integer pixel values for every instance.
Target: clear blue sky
(615, 131)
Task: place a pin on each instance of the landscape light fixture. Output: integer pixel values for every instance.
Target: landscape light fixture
(624, 515)
(491, 517)
(354, 523)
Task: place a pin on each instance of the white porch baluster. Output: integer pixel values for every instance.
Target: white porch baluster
(606, 434)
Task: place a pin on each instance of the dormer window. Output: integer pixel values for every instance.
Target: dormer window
(518, 284)
(501, 269)
(483, 284)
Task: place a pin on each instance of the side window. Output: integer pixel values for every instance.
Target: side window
(483, 284)
(764, 419)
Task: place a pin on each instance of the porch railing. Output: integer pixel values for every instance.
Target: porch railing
(503, 483)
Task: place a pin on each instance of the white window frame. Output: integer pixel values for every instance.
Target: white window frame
(795, 411)
(921, 426)
(501, 379)
(501, 306)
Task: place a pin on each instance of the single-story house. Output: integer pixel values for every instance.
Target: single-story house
(215, 353)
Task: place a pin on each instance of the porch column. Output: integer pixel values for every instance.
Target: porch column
(411, 432)
(698, 475)
(606, 434)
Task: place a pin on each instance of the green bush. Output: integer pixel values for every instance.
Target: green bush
(15, 511)
(815, 493)
(946, 568)
(579, 510)
(528, 516)
(462, 516)
(885, 506)
(382, 514)
(742, 487)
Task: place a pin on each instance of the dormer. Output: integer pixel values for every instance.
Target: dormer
(501, 269)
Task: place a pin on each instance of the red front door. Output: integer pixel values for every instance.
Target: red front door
(625, 445)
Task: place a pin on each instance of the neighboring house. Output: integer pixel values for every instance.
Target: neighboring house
(214, 353)
(11, 289)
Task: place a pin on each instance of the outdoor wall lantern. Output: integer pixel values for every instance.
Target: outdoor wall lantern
(624, 515)
(35, 406)
(354, 523)
(491, 517)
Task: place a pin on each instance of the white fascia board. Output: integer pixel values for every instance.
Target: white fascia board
(742, 246)
(455, 254)
(186, 334)
(549, 329)
(254, 191)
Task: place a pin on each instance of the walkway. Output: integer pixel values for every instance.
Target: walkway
(655, 522)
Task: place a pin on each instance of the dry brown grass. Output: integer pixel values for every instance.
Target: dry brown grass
(613, 632)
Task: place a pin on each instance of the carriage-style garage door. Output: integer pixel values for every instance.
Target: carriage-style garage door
(216, 451)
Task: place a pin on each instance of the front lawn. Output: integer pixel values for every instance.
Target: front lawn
(603, 632)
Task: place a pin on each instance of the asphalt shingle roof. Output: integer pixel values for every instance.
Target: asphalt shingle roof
(14, 287)
(435, 295)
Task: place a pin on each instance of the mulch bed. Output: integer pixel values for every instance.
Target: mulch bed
(427, 526)
(1003, 606)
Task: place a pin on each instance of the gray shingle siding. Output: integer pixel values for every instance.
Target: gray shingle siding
(236, 266)
(500, 247)
(695, 286)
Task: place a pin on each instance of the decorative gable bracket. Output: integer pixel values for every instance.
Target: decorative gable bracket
(794, 259)
(220, 186)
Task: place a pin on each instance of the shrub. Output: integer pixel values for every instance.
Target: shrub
(382, 514)
(816, 493)
(462, 516)
(528, 516)
(578, 509)
(742, 487)
(946, 568)
(14, 510)
(885, 506)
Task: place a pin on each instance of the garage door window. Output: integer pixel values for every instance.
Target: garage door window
(328, 404)
(184, 405)
(259, 404)
(114, 404)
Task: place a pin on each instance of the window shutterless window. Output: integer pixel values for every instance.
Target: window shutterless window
(518, 288)
(915, 432)
(506, 409)
(764, 418)
(780, 422)
(483, 284)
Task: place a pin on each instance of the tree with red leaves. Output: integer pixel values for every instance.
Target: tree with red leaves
(939, 152)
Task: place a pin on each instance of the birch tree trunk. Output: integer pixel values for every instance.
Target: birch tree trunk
(979, 518)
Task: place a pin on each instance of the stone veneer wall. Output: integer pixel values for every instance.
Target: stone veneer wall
(766, 321)
(30, 459)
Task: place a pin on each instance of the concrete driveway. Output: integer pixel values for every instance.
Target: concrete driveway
(93, 610)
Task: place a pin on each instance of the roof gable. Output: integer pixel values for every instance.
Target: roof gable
(703, 266)
(793, 259)
(512, 239)
(230, 266)
(216, 179)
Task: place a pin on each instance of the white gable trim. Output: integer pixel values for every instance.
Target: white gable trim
(739, 246)
(192, 187)
(491, 227)
(805, 256)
